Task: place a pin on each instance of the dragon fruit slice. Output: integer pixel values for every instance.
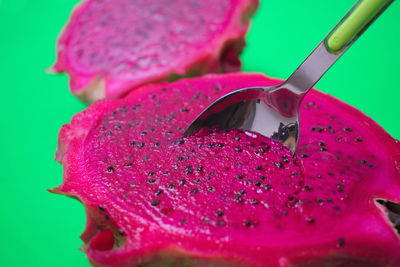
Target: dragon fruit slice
(230, 198)
(112, 46)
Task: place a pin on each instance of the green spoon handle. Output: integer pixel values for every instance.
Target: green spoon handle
(354, 23)
(332, 47)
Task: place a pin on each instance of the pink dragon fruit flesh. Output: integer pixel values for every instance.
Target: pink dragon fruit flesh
(230, 198)
(112, 46)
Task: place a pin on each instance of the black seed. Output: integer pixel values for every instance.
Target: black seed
(101, 208)
(323, 149)
(210, 189)
(219, 213)
(370, 165)
(329, 200)
(151, 129)
(128, 164)
(151, 173)
(184, 109)
(267, 187)
(141, 144)
(171, 186)
(321, 143)
(247, 223)
(285, 161)
(199, 146)
(238, 149)
(330, 174)
(195, 191)
(258, 168)
(248, 181)
(192, 150)
(210, 145)
(238, 199)
(336, 208)
(304, 155)
(180, 158)
(254, 202)
(165, 172)
(279, 165)
(257, 183)
(187, 157)
(182, 181)
(291, 198)
(347, 129)
(308, 188)
(133, 143)
(294, 174)
(363, 161)
(333, 131)
(189, 169)
(341, 242)
(110, 169)
(117, 127)
(221, 223)
(151, 181)
(220, 145)
(106, 217)
(143, 133)
(156, 144)
(263, 178)
(319, 200)
(339, 185)
(197, 181)
(240, 176)
(199, 168)
(310, 220)
(237, 138)
(212, 173)
(313, 129)
(121, 232)
(159, 191)
(358, 139)
(155, 202)
(109, 132)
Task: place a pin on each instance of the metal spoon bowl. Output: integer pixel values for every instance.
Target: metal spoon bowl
(274, 111)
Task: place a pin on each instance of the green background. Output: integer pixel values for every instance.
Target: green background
(41, 229)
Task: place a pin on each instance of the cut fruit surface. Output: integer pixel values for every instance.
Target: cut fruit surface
(230, 198)
(112, 46)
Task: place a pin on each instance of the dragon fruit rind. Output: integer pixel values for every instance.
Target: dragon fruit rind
(230, 198)
(110, 47)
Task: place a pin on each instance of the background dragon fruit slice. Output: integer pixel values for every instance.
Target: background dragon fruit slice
(230, 198)
(112, 46)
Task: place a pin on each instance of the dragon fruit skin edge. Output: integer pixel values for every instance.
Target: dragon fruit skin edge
(230, 198)
(107, 53)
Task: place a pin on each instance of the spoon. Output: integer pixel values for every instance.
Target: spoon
(274, 111)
